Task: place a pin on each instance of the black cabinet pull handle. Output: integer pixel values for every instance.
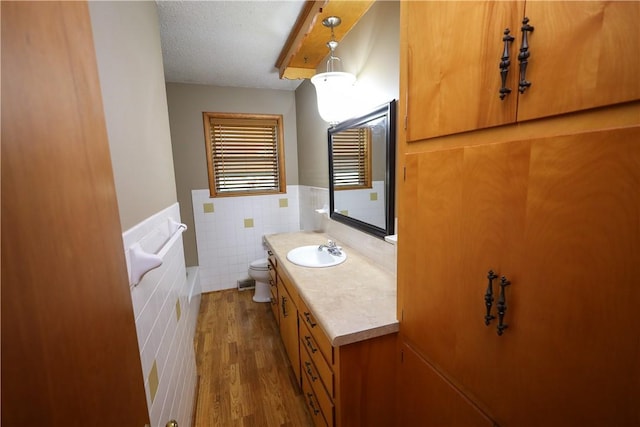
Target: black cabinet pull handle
(310, 371)
(311, 323)
(284, 307)
(307, 338)
(524, 54)
(502, 305)
(505, 63)
(488, 297)
(312, 404)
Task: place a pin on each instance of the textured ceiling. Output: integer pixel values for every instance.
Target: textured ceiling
(226, 43)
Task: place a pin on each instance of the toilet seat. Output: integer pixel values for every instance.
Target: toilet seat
(259, 264)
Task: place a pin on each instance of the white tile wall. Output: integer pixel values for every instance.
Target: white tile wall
(358, 204)
(230, 237)
(165, 318)
(226, 246)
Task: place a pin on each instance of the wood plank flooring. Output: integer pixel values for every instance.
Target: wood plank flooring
(244, 376)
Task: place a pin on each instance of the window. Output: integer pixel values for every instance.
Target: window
(245, 154)
(351, 150)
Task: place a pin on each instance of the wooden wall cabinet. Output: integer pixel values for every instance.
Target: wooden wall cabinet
(581, 55)
(430, 400)
(558, 217)
(552, 204)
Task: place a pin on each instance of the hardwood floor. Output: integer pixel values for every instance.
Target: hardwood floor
(245, 378)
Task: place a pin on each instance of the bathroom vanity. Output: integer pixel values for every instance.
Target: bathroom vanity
(339, 328)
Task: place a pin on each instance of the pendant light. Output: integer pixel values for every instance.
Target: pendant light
(333, 88)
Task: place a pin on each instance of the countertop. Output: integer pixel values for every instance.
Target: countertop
(352, 301)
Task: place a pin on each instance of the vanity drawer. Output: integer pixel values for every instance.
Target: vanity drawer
(315, 409)
(319, 379)
(322, 342)
(313, 354)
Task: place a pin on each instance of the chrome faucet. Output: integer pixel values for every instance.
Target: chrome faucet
(331, 248)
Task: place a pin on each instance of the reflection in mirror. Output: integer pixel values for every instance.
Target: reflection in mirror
(362, 171)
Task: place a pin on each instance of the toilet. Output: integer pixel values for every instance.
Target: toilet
(259, 271)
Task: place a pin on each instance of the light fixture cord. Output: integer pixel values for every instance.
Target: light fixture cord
(332, 45)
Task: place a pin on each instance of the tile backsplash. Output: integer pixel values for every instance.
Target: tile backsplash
(166, 309)
(229, 232)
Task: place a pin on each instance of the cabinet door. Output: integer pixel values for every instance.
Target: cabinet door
(426, 399)
(574, 328)
(467, 217)
(452, 68)
(559, 216)
(289, 324)
(429, 254)
(582, 55)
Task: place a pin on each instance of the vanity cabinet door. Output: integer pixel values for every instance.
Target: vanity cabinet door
(289, 321)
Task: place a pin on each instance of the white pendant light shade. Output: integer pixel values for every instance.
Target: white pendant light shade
(334, 91)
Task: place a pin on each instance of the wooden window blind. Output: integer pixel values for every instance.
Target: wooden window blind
(245, 154)
(351, 150)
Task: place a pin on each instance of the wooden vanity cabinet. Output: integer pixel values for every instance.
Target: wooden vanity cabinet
(581, 55)
(343, 386)
(349, 385)
(317, 361)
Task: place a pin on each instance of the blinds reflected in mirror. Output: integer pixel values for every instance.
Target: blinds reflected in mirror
(352, 159)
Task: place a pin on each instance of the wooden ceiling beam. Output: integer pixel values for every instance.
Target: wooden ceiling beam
(306, 46)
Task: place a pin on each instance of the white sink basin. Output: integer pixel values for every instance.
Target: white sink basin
(310, 256)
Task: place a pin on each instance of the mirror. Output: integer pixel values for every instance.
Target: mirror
(362, 171)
